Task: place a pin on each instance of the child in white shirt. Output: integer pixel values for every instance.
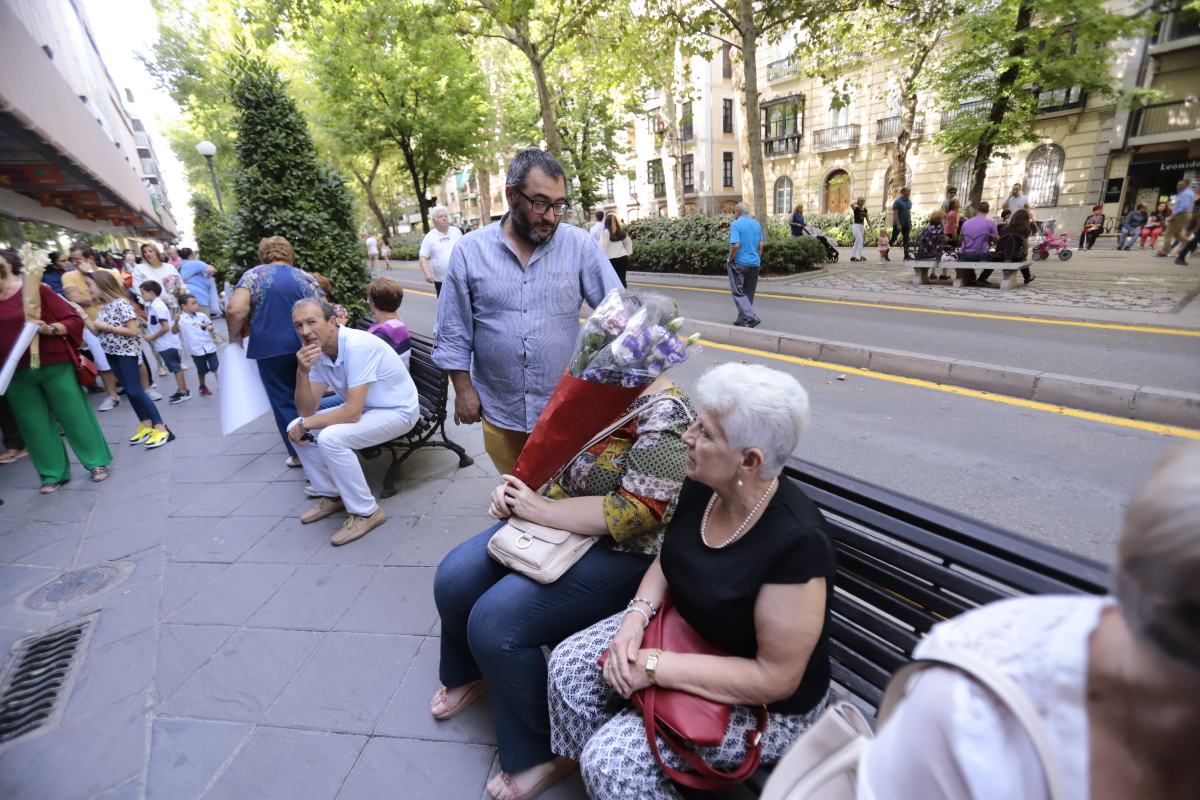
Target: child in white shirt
(159, 324)
(196, 329)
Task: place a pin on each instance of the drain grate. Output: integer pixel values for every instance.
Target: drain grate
(76, 585)
(38, 676)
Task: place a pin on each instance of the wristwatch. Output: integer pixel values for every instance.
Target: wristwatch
(651, 665)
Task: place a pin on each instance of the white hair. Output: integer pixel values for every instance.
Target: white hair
(1158, 558)
(757, 407)
(433, 212)
(741, 209)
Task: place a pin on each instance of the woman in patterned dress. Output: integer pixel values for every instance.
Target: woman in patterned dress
(747, 562)
(495, 622)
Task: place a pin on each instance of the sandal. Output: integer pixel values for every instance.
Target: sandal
(473, 693)
(561, 769)
(12, 454)
(51, 488)
(100, 474)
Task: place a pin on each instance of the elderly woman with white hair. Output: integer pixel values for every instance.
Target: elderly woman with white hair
(1116, 680)
(747, 562)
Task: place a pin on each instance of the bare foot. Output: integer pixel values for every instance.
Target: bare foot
(450, 702)
(531, 782)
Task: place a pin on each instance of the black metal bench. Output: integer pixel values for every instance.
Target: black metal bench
(905, 565)
(433, 391)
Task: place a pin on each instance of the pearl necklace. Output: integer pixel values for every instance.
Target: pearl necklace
(737, 534)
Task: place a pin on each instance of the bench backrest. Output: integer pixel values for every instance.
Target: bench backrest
(904, 565)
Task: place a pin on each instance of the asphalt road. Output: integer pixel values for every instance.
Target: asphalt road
(1144, 359)
(1055, 478)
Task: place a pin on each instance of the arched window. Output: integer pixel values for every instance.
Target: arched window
(1043, 174)
(960, 175)
(783, 195)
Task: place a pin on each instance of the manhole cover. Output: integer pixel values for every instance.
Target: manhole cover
(77, 585)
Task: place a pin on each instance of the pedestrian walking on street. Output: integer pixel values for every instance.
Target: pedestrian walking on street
(1130, 227)
(53, 273)
(1017, 199)
(372, 242)
(1093, 226)
(42, 402)
(75, 289)
(858, 229)
(902, 220)
(197, 280)
(385, 251)
(159, 324)
(1190, 247)
(379, 403)
(116, 325)
(617, 246)
(952, 223)
(745, 260)
(1154, 226)
(165, 275)
(797, 222)
(262, 305)
(1181, 216)
(509, 314)
(436, 248)
(597, 224)
(884, 245)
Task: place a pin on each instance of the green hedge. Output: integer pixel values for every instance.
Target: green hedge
(690, 257)
(698, 227)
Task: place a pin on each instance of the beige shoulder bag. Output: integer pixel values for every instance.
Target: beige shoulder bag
(545, 554)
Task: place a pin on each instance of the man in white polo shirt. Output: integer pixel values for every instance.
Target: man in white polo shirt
(436, 247)
(380, 403)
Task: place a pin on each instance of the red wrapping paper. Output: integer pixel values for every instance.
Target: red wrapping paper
(577, 411)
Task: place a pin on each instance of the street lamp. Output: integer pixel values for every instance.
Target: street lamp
(208, 150)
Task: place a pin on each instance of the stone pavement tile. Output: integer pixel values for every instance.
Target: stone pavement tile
(313, 598)
(211, 500)
(185, 755)
(256, 444)
(183, 649)
(8, 638)
(124, 611)
(183, 580)
(234, 595)
(281, 499)
(207, 469)
(281, 763)
(427, 540)
(210, 446)
(112, 673)
(42, 544)
(291, 542)
(130, 790)
(373, 549)
(413, 498)
(347, 683)
(31, 506)
(407, 716)
(132, 535)
(426, 770)
(397, 600)
(206, 539)
(569, 788)
(267, 467)
(466, 497)
(80, 761)
(431, 462)
(16, 581)
(244, 677)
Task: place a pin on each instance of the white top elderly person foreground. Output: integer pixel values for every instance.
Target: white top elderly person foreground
(747, 562)
(379, 403)
(1116, 680)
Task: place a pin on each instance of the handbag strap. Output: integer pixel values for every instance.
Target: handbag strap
(1000, 685)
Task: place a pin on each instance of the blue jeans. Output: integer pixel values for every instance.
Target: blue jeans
(125, 368)
(1126, 236)
(279, 379)
(495, 623)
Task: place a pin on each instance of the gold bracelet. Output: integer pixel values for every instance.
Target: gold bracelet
(652, 665)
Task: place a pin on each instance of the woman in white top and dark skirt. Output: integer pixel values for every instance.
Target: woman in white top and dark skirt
(617, 246)
(1116, 680)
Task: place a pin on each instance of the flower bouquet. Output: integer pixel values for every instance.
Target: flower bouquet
(627, 342)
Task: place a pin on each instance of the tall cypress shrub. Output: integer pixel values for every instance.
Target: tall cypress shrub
(283, 189)
(212, 235)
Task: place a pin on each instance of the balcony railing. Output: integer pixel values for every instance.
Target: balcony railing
(782, 69)
(971, 108)
(783, 145)
(1177, 116)
(839, 138)
(888, 128)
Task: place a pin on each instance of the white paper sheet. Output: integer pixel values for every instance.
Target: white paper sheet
(243, 398)
(14, 357)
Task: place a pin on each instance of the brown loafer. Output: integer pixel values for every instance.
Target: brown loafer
(324, 508)
(356, 527)
(474, 691)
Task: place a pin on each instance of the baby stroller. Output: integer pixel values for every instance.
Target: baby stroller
(1050, 241)
(831, 251)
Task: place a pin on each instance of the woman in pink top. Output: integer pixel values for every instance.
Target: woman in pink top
(952, 220)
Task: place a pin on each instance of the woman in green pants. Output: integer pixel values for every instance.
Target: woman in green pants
(46, 398)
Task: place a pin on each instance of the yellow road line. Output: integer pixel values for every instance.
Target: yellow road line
(1105, 419)
(975, 314)
(422, 294)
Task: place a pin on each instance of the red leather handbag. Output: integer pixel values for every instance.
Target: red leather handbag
(86, 370)
(686, 721)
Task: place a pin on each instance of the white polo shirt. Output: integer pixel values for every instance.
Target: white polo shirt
(365, 359)
(437, 247)
(1015, 204)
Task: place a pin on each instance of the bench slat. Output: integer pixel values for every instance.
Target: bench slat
(914, 616)
(853, 612)
(867, 672)
(924, 595)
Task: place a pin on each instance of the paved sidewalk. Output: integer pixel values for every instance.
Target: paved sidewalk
(243, 656)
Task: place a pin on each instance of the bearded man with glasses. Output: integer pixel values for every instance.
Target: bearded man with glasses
(508, 314)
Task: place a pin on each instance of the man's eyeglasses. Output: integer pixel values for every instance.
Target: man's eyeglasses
(542, 206)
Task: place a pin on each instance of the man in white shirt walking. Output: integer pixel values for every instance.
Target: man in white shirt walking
(1017, 199)
(379, 403)
(436, 247)
(598, 226)
(372, 249)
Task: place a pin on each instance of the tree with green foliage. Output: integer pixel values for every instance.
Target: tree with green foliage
(1011, 56)
(283, 189)
(214, 235)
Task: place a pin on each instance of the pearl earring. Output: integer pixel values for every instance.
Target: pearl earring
(739, 482)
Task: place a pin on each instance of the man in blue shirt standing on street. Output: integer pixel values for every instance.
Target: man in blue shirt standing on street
(902, 220)
(745, 259)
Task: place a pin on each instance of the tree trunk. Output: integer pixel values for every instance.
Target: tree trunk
(545, 103)
(669, 152)
(368, 187)
(1004, 85)
(485, 196)
(743, 141)
(753, 116)
(899, 155)
(419, 186)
